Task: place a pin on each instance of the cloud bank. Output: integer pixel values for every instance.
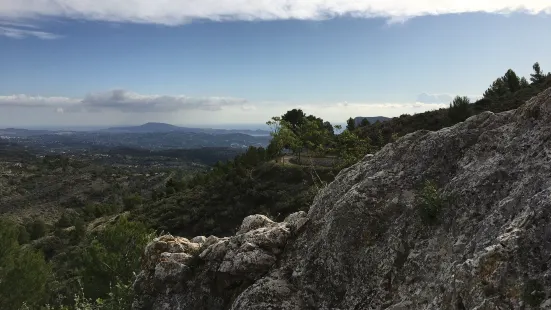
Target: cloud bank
(126, 107)
(123, 101)
(177, 12)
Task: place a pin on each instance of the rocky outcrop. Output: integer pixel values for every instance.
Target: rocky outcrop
(366, 244)
(208, 273)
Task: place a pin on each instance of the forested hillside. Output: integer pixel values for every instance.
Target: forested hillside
(92, 248)
(216, 202)
(505, 93)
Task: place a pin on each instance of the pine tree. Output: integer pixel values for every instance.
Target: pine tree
(294, 118)
(459, 109)
(537, 76)
(350, 124)
(524, 83)
(512, 80)
(498, 89)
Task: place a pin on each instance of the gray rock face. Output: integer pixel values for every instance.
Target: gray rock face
(364, 245)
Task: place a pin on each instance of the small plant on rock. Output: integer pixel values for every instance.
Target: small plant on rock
(430, 203)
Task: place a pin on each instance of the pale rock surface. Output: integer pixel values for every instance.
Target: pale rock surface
(363, 244)
(252, 222)
(199, 239)
(204, 273)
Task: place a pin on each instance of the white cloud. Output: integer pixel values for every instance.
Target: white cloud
(20, 30)
(17, 24)
(124, 101)
(434, 98)
(19, 33)
(36, 101)
(442, 98)
(248, 107)
(175, 12)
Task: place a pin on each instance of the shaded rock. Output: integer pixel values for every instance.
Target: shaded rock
(270, 293)
(296, 220)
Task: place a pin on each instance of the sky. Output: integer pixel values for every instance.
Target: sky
(214, 62)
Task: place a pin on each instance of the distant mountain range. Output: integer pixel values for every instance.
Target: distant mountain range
(153, 127)
(372, 119)
(163, 128)
(151, 136)
(145, 128)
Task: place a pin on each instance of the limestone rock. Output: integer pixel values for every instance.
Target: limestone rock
(296, 220)
(364, 245)
(182, 274)
(253, 222)
(199, 239)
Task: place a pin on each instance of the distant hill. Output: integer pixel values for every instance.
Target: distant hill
(163, 127)
(371, 119)
(148, 127)
(22, 132)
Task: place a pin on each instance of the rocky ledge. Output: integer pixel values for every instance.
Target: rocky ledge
(366, 242)
(205, 273)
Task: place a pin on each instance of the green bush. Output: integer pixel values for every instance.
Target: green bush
(430, 203)
(37, 229)
(64, 221)
(459, 109)
(112, 255)
(23, 272)
(99, 210)
(131, 202)
(23, 236)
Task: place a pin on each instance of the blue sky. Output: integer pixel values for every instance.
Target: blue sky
(107, 65)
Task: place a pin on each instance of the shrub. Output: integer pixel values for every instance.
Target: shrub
(430, 203)
(23, 237)
(112, 255)
(119, 298)
(37, 229)
(23, 271)
(64, 221)
(130, 202)
(459, 109)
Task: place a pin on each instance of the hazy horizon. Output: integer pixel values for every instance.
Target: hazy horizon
(85, 128)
